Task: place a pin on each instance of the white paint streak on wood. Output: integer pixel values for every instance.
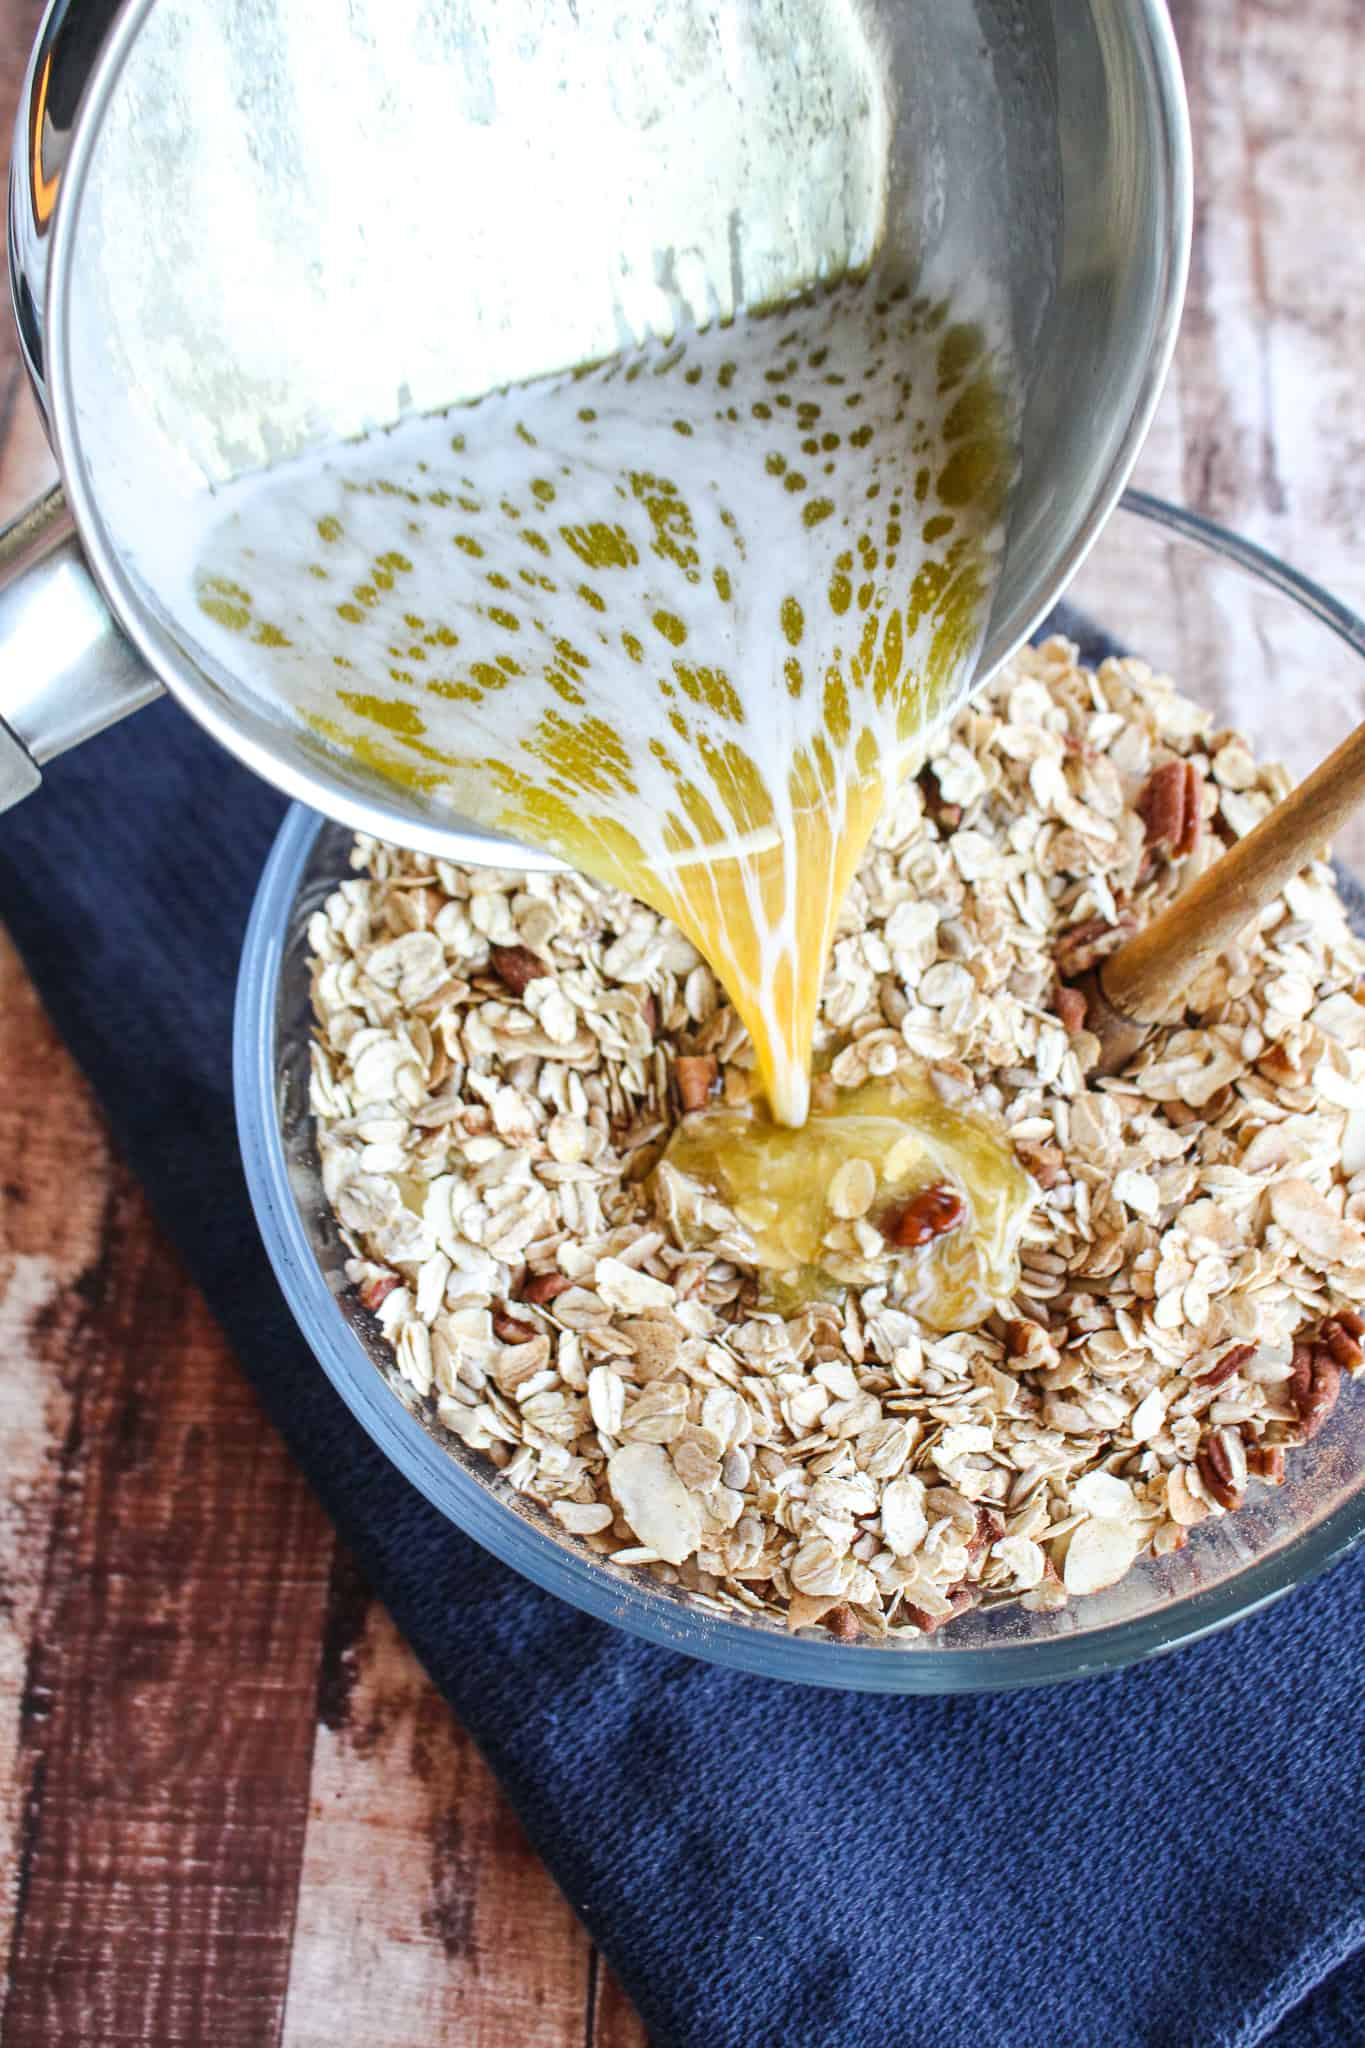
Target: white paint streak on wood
(29, 1422)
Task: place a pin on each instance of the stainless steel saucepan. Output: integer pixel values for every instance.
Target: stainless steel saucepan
(242, 227)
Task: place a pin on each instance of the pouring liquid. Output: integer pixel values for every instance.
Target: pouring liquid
(821, 1204)
(684, 618)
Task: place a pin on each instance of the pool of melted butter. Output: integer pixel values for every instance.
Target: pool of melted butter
(783, 1197)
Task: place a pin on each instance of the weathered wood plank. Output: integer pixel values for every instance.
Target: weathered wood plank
(168, 1711)
(1263, 426)
(165, 1567)
(424, 1914)
(43, 1245)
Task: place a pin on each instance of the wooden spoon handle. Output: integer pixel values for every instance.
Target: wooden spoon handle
(1137, 987)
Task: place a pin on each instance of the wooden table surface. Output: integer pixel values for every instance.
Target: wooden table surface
(233, 1811)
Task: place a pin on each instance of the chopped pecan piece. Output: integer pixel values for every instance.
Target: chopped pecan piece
(842, 1623)
(1342, 1334)
(1232, 1360)
(544, 1287)
(1171, 807)
(927, 1215)
(1313, 1385)
(1091, 941)
(377, 1290)
(1069, 1005)
(959, 1598)
(989, 1529)
(696, 1074)
(1215, 1469)
(516, 967)
(1267, 1462)
(508, 1330)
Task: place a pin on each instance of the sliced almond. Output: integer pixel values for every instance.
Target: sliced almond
(1324, 1238)
(1098, 1555)
(658, 1507)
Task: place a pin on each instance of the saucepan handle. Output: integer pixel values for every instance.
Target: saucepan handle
(66, 670)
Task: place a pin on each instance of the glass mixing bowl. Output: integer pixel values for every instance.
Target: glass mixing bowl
(1268, 652)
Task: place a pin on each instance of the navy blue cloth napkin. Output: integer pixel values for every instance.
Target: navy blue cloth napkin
(1169, 1858)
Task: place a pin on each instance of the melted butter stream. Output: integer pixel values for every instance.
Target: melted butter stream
(685, 618)
(732, 1179)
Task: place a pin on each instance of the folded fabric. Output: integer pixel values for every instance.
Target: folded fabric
(1168, 1858)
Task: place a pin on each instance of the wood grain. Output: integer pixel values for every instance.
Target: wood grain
(167, 1712)
(1262, 426)
(416, 1872)
(41, 1245)
(165, 1569)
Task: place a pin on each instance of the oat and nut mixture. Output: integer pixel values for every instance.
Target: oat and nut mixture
(500, 1057)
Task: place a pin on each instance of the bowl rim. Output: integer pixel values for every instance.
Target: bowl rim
(653, 1613)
